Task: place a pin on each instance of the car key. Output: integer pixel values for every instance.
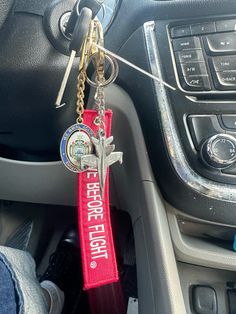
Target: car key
(72, 20)
(79, 33)
(94, 5)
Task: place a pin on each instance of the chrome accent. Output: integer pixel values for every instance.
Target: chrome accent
(209, 101)
(193, 180)
(63, 23)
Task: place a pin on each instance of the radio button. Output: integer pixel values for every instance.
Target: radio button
(195, 83)
(221, 43)
(186, 56)
(180, 31)
(186, 43)
(194, 68)
(225, 80)
(224, 63)
(203, 28)
(226, 25)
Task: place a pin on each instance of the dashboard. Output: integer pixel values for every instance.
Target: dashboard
(196, 56)
(191, 139)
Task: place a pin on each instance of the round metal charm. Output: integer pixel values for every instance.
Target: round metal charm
(75, 143)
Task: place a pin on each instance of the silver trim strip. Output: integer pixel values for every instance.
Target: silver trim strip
(209, 101)
(218, 191)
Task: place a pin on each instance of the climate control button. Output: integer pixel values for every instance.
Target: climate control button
(219, 151)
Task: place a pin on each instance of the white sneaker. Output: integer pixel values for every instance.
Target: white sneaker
(57, 296)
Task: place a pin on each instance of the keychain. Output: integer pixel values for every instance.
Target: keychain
(76, 141)
(87, 149)
(79, 141)
(104, 149)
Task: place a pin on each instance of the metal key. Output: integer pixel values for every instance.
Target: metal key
(79, 34)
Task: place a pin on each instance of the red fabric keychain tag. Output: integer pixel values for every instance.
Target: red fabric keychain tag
(96, 239)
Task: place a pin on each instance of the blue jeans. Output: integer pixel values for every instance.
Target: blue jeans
(8, 300)
(20, 292)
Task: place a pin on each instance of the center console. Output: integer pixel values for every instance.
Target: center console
(198, 123)
(190, 135)
(190, 132)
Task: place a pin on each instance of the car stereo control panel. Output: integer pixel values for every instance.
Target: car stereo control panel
(205, 56)
(198, 58)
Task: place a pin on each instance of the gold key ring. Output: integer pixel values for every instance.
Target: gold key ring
(87, 47)
(100, 59)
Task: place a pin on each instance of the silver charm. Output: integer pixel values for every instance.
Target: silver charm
(75, 143)
(105, 157)
(104, 149)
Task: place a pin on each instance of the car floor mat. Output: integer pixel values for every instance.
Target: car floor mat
(36, 228)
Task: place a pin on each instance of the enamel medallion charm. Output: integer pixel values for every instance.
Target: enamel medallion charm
(75, 143)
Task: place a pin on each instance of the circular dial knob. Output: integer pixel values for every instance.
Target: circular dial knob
(219, 151)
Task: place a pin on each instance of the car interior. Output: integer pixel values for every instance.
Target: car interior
(173, 200)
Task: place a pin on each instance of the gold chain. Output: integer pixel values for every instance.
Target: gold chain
(95, 34)
(80, 97)
(87, 51)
